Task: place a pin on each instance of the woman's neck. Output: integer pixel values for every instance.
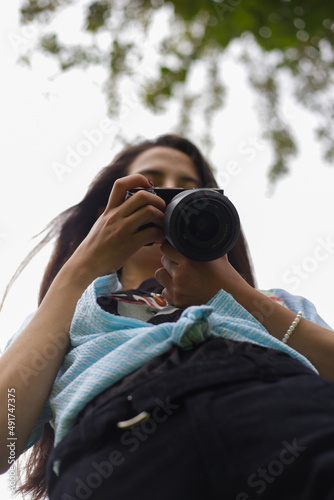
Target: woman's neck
(132, 277)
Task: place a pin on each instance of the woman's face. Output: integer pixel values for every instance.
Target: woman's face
(166, 168)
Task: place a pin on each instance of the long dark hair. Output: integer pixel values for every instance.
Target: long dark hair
(72, 226)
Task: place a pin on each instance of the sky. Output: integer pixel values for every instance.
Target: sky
(56, 135)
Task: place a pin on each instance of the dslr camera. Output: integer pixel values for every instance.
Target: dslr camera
(201, 223)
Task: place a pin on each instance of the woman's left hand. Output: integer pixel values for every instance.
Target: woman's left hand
(187, 282)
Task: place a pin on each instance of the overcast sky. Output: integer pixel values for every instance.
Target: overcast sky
(55, 136)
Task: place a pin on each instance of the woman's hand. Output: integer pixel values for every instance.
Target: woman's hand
(188, 282)
(118, 233)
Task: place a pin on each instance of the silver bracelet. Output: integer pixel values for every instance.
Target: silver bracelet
(292, 327)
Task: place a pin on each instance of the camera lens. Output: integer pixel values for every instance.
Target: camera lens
(202, 224)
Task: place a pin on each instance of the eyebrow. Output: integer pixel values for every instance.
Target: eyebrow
(186, 178)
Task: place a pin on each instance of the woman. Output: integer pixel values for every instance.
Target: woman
(137, 363)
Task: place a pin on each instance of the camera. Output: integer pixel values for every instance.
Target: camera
(201, 223)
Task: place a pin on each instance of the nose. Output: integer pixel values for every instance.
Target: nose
(169, 182)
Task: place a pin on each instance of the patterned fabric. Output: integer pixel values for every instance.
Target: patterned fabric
(140, 304)
(106, 347)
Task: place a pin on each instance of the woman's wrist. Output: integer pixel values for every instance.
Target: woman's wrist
(78, 273)
(275, 318)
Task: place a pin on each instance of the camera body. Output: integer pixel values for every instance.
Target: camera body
(201, 223)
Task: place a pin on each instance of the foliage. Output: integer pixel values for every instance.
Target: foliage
(165, 50)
